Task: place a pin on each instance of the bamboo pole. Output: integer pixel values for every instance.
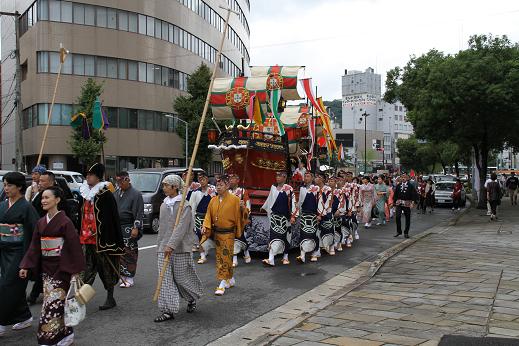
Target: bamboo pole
(63, 56)
(195, 149)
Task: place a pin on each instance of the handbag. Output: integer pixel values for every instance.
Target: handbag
(75, 312)
(84, 292)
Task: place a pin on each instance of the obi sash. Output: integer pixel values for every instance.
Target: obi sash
(11, 233)
(51, 246)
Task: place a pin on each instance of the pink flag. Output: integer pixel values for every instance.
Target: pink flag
(251, 106)
(311, 131)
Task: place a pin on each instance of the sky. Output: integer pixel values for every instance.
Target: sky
(329, 36)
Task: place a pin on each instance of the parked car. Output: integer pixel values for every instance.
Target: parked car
(442, 177)
(443, 194)
(73, 179)
(149, 182)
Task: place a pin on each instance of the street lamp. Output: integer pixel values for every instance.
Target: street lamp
(186, 125)
(365, 115)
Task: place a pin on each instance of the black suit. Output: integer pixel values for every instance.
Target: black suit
(404, 192)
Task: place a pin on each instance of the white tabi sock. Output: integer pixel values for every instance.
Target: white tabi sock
(246, 253)
(235, 259)
(202, 255)
(271, 258)
(285, 256)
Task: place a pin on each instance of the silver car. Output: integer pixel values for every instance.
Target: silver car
(443, 194)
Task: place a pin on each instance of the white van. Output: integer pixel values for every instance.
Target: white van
(74, 180)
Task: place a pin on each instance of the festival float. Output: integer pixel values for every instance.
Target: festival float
(267, 135)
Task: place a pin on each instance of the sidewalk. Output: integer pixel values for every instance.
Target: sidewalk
(450, 280)
(461, 280)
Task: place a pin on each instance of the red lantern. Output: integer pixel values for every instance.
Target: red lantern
(212, 135)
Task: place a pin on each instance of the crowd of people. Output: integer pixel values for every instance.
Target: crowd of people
(38, 240)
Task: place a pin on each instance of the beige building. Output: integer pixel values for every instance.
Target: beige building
(143, 52)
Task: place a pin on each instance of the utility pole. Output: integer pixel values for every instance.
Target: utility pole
(365, 115)
(18, 99)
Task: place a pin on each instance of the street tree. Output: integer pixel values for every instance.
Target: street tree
(190, 108)
(470, 98)
(88, 150)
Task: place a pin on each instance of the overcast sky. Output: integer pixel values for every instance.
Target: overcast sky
(328, 36)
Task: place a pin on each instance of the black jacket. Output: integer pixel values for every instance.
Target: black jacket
(407, 193)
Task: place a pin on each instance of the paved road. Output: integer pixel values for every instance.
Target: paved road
(258, 291)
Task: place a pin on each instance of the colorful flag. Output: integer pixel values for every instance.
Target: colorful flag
(97, 116)
(257, 113)
(311, 132)
(275, 96)
(80, 120)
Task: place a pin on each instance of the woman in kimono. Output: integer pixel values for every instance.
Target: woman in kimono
(367, 199)
(17, 220)
(176, 243)
(382, 192)
(55, 253)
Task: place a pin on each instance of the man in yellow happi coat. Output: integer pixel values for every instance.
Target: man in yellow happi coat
(223, 220)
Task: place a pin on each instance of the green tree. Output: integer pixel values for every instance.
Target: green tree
(87, 150)
(190, 108)
(470, 99)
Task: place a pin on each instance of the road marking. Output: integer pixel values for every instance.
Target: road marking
(147, 247)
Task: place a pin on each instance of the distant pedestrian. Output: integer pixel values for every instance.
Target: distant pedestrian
(405, 198)
(382, 192)
(176, 244)
(456, 195)
(512, 183)
(32, 190)
(367, 200)
(494, 195)
(430, 190)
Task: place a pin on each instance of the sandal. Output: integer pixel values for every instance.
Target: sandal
(191, 306)
(247, 259)
(201, 261)
(219, 291)
(164, 317)
(267, 263)
(286, 262)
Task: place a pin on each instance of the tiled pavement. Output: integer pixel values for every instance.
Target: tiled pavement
(461, 280)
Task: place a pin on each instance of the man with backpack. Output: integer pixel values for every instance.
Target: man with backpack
(512, 183)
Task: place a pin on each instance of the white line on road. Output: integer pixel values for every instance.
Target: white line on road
(147, 247)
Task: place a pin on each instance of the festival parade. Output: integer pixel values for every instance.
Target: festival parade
(259, 172)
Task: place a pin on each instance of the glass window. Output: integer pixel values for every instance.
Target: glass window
(90, 15)
(158, 74)
(111, 115)
(170, 33)
(111, 68)
(43, 10)
(150, 26)
(101, 16)
(100, 67)
(89, 65)
(111, 18)
(175, 82)
(121, 70)
(142, 119)
(132, 22)
(132, 119)
(123, 20)
(43, 113)
(150, 73)
(165, 32)
(79, 14)
(66, 114)
(67, 65)
(43, 62)
(165, 77)
(123, 118)
(156, 121)
(66, 11)
(149, 120)
(158, 28)
(54, 62)
(55, 119)
(142, 72)
(54, 10)
(176, 35)
(132, 70)
(142, 24)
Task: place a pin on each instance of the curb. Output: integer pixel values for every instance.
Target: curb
(270, 326)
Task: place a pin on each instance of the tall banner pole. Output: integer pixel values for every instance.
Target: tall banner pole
(195, 149)
(62, 56)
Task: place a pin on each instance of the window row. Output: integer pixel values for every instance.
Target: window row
(98, 66)
(123, 118)
(212, 17)
(77, 13)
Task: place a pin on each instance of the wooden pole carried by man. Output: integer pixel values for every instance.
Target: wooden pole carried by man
(62, 57)
(197, 143)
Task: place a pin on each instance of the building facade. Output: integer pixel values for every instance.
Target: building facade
(142, 52)
(370, 126)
